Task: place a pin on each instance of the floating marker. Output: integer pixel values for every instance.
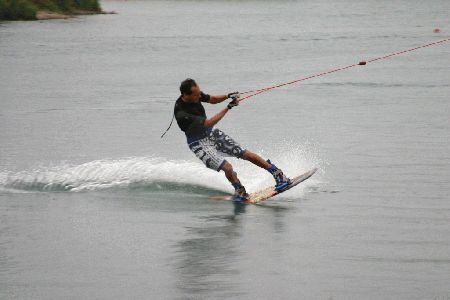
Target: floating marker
(362, 63)
(436, 30)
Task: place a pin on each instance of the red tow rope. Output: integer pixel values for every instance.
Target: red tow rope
(361, 63)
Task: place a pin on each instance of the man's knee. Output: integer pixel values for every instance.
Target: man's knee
(227, 168)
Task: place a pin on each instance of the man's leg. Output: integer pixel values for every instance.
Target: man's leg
(256, 159)
(240, 192)
(229, 147)
(230, 173)
(280, 179)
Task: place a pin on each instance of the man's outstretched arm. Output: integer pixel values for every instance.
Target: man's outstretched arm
(221, 98)
(217, 99)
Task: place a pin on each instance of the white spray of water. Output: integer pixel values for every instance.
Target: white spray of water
(102, 174)
(292, 158)
(148, 171)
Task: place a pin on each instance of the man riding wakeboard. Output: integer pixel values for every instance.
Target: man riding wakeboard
(211, 145)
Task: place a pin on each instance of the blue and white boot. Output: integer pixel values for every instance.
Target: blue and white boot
(240, 194)
(281, 181)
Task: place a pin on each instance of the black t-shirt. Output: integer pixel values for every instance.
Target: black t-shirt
(191, 118)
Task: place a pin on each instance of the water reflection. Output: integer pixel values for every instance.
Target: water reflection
(209, 258)
(239, 208)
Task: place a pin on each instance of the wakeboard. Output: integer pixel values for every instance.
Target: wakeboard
(270, 191)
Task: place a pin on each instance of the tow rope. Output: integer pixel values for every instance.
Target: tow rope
(253, 93)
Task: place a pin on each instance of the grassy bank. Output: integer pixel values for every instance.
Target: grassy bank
(28, 9)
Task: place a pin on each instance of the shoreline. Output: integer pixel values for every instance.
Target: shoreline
(24, 10)
(49, 15)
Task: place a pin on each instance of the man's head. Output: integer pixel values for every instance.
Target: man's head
(190, 90)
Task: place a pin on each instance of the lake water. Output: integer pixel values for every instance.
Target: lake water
(95, 205)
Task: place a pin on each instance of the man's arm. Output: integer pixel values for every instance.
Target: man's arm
(221, 98)
(217, 99)
(216, 118)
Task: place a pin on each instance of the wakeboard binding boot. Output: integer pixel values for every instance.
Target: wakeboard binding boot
(281, 181)
(240, 194)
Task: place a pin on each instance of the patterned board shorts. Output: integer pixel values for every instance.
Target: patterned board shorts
(213, 149)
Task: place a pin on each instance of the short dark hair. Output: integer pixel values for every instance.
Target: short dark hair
(186, 86)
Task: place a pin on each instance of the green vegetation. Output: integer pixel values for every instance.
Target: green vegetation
(27, 9)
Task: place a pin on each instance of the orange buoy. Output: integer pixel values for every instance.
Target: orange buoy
(362, 63)
(436, 30)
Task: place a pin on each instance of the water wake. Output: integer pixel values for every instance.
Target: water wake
(158, 174)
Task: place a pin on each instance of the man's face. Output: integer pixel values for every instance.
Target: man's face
(194, 96)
